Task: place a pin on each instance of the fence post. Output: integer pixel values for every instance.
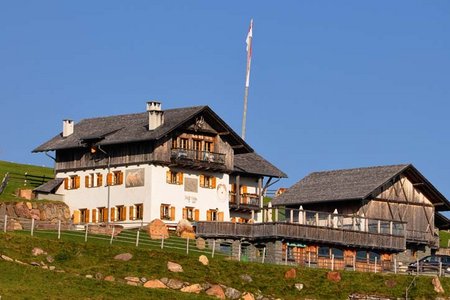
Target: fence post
(5, 224)
(264, 255)
(187, 245)
(86, 233)
(32, 226)
(286, 256)
(162, 241)
(137, 237)
(332, 262)
(375, 265)
(379, 226)
(59, 229)
(239, 252)
(112, 234)
(395, 265)
(213, 248)
(354, 262)
(440, 268)
(309, 259)
(417, 266)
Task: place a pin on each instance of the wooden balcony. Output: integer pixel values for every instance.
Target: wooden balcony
(202, 160)
(247, 202)
(303, 233)
(423, 238)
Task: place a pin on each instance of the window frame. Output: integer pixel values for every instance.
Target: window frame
(139, 211)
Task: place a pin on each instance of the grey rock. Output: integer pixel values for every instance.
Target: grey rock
(174, 267)
(206, 286)
(174, 284)
(45, 267)
(144, 280)
(35, 264)
(164, 280)
(98, 276)
(132, 279)
(232, 293)
(38, 251)
(124, 256)
(299, 286)
(51, 268)
(50, 259)
(247, 278)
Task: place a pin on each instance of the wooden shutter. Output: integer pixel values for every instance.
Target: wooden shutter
(220, 216)
(208, 215)
(180, 177)
(202, 180)
(213, 182)
(120, 178)
(109, 179)
(105, 215)
(113, 213)
(196, 215)
(131, 212)
(185, 213)
(99, 179)
(168, 176)
(87, 217)
(123, 215)
(66, 183)
(76, 217)
(172, 213)
(233, 188)
(94, 216)
(161, 212)
(244, 189)
(77, 181)
(86, 181)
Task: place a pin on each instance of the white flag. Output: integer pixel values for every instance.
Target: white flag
(248, 41)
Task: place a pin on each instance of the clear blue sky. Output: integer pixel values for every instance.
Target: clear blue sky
(334, 84)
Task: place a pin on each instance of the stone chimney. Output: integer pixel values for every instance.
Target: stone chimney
(155, 115)
(67, 127)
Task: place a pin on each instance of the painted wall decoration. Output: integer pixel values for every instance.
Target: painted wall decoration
(134, 178)
(191, 185)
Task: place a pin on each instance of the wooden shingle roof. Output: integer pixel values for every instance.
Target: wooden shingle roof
(355, 184)
(252, 163)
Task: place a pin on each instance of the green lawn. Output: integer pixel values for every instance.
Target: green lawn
(8, 167)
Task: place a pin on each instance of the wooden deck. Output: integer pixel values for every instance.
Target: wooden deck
(302, 233)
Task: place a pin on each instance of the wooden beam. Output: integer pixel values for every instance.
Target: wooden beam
(402, 202)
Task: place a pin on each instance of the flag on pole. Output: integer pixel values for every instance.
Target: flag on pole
(248, 41)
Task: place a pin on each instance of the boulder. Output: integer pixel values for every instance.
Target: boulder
(89, 276)
(132, 283)
(246, 278)
(109, 278)
(203, 259)
(437, 285)
(155, 284)
(216, 291)
(200, 243)
(38, 251)
(35, 214)
(157, 230)
(50, 259)
(174, 267)
(52, 268)
(25, 193)
(164, 280)
(232, 293)
(334, 276)
(290, 274)
(185, 229)
(248, 296)
(13, 225)
(143, 279)
(174, 284)
(105, 229)
(132, 279)
(123, 256)
(193, 288)
(299, 286)
(22, 211)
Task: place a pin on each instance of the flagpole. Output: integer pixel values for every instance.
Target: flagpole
(247, 77)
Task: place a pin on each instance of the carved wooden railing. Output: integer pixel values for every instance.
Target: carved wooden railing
(180, 154)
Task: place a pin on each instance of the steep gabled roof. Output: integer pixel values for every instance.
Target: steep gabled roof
(252, 163)
(355, 184)
(134, 128)
(50, 186)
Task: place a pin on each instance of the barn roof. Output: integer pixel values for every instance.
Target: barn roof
(253, 163)
(355, 184)
(50, 186)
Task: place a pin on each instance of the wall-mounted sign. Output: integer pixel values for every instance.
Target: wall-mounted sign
(134, 178)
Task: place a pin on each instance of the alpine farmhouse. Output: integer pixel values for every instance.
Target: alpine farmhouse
(184, 163)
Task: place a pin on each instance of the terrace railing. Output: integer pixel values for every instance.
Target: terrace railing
(180, 154)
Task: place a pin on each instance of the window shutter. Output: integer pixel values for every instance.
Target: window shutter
(66, 183)
(76, 217)
(123, 215)
(185, 213)
(208, 215)
(202, 180)
(99, 179)
(233, 188)
(105, 215)
(220, 216)
(196, 215)
(168, 173)
(113, 213)
(131, 212)
(109, 179)
(233, 219)
(87, 217)
(120, 178)
(244, 189)
(213, 182)
(86, 181)
(94, 216)
(77, 182)
(161, 212)
(180, 177)
(172, 213)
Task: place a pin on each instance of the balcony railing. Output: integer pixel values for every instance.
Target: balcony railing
(250, 200)
(180, 154)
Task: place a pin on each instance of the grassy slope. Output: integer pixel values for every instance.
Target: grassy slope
(80, 258)
(5, 167)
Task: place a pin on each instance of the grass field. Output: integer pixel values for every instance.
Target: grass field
(78, 259)
(13, 185)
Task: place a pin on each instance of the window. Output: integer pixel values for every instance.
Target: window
(361, 255)
(324, 252)
(191, 214)
(167, 212)
(180, 143)
(197, 145)
(139, 211)
(208, 181)
(174, 177)
(214, 215)
(115, 178)
(121, 213)
(99, 179)
(338, 253)
(373, 255)
(84, 215)
(93, 180)
(209, 146)
(102, 214)
(72, 182)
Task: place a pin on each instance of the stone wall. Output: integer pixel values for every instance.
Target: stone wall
(42, 211)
